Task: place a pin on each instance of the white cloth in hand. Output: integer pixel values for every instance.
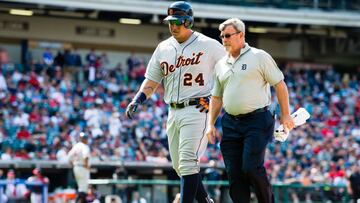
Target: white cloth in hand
(300, 116)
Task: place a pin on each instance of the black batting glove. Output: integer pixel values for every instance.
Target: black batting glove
(139, 98)
(131, 109)
(203, 105)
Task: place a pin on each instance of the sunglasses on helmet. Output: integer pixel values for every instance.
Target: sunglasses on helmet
(176, 22)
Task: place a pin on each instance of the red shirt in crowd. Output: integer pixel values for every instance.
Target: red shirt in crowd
(23, 134)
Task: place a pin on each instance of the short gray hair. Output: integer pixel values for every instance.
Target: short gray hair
(235, 22)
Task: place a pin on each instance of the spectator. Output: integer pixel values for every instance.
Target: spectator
(3, 85)
(132, 61)
(77, 58)
(92, 115)
(115, 125)
(136, 198)
(4, 57)
(60, 59)
(92, 195)
(47, 57)
(91, 57)
(104, 61)
(7, 154)
(37, 180)
(21, 119)
(15, 192)
(69, 59)
(23, 134)
(120, 173)
(3, 197)
(354, 183)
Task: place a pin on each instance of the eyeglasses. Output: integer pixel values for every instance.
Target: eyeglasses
(176, 22)
(228, 35)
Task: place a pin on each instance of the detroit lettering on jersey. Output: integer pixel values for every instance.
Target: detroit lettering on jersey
(181, 62)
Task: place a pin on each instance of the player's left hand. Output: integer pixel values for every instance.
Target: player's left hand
(203, 104)
(287, 122)
(131, 109)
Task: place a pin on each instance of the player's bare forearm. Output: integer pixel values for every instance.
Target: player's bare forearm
(214, 109)
(283, 97)
(148, 87)
(86, 163)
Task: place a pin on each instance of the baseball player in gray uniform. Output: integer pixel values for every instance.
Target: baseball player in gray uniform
(79, 158)
(184, 65)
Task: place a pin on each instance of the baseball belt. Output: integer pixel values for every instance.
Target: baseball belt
(190, 102)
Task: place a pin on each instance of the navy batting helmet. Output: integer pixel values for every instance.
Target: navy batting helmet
(83, 135)
(181, 11)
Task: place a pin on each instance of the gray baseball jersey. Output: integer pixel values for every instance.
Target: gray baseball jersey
(186, 69)
(77, 155)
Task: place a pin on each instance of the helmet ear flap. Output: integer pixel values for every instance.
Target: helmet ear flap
(188, 22)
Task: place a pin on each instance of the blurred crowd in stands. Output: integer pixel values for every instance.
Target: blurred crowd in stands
(45, 104)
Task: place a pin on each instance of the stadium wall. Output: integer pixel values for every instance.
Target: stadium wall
(123, 39)
(81, 31)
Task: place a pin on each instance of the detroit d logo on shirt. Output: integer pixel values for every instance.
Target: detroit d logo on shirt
(181, 61)
(243, 67)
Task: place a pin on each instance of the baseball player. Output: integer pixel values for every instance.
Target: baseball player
(79, 159)
(184, 65)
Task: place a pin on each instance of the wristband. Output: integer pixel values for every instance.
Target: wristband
(140, 97)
